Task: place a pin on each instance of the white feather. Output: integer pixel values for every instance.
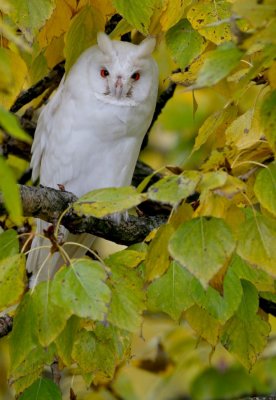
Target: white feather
(89, 134)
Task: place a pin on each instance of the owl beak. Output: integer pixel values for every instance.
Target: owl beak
(119, 87)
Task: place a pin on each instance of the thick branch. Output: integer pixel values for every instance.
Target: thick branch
(5, 325)
(47, 204)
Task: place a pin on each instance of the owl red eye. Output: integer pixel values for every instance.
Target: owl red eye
(104, 73)
(135, 76)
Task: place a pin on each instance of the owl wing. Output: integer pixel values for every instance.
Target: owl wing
(44, 129)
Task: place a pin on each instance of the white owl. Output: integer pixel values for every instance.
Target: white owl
(89, 134)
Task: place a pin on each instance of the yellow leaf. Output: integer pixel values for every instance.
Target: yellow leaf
(54, 52)
(174, 10)
(245, 130)
(211, 205)
(57, 24)
(104, 6)
(19, 72)
(207, 18)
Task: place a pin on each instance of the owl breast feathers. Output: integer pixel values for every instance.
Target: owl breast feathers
(90, 133)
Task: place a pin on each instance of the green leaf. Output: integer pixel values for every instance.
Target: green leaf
(137, 12)
(24, 321)
(81, 289)
(51, 318)
(268, 118)
(223, 306)
(202, 245)
(158, 257)
(222, 383)
(30, 15)
(127, 298)
(9, 245)
(42, 389)
(102, 202)
(171, 293)
(218, 64)
(65, 341)
(12, 280)
(10, 123)
(184, 43)
(258, 277)
(82, 33)
(246, 333)
(173, 189)
(10, 191)
(204, 324)
(257, 243)
(265, 188)
(207, 18)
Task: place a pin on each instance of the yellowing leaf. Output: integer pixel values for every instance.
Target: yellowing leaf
(218, 64)
(265, 188)
(81, 289)
(173, 189)
(12, 280)
(127, 258)
(257, 243)
(137, 12)
(207, 18)
(184, 43)
(246, 333)
(268, 118)
(158, 259)
(173, 12)
(31, 367)
(19, 72)
(101, 202)
(202, 245)
(95, 353)
(204, 324)
(30, 15)
(82, 33)
(171, 292)
(215, 124)
(57, 24)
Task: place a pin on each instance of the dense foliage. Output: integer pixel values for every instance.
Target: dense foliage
(206, 268)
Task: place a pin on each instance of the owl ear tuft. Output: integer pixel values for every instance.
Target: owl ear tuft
(146, 47)
(104, 43)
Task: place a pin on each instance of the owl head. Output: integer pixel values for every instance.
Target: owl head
(120, 72)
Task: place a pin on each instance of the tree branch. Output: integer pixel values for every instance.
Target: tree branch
(5, 325)
(47, 204)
